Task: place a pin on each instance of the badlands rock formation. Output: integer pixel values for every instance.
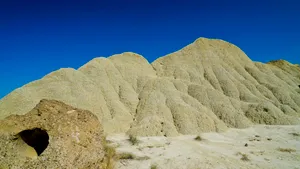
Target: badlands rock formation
(208, 85)
(62, 137)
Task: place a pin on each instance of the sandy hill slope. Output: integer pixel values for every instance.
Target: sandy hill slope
(208, 85)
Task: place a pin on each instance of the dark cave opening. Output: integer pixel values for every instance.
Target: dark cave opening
(36, 138)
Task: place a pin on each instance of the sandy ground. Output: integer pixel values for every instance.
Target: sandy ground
(215, 150)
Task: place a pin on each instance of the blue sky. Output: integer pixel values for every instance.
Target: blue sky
(37, 37)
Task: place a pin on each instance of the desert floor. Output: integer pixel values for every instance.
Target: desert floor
(260, 146)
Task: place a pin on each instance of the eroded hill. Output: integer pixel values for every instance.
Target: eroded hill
(208, 85)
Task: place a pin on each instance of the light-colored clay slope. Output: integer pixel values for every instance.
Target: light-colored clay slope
(207, 86)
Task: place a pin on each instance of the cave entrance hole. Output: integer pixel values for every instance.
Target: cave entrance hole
(36, 138)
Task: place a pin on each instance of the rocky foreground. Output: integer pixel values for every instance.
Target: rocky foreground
(55, 135)
(52, 135)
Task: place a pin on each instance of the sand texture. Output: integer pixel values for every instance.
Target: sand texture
(260, 146)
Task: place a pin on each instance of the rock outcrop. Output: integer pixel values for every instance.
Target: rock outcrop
(52, 135)
(208, 85)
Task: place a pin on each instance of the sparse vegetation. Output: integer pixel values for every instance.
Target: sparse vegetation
(153, 166)
(295, 134)
(133, 140)
(109, 157)
(198, 138)
(126, 156)
(130, 156)
(244, 156)
(288, 150)
(150, 146)
(142, 158)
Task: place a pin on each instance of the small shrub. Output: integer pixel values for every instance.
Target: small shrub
(245, 157)
(133, 140)
(142, 158)
(288, 150)
(109, 158)
(126, 156)
(198, 138)
(295, 134)
(130, 156)
(153, 166)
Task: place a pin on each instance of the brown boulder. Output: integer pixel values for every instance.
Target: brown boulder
(52, 135)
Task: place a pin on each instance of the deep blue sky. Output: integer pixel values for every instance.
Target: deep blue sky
(37, 37)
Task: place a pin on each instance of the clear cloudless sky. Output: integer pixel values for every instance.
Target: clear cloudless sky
(40, 36)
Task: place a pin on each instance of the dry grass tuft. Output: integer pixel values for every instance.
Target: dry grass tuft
(130, 156)
(244, 156)
(153, 166)
(109, 158)
(295, 134)
(288, 150)
(133, 140)
(198, 138)
(126, 156)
